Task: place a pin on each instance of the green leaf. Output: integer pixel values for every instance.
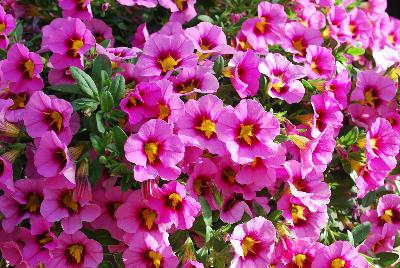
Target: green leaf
(72, 89)
(101, 63)
(387, 258)
(202, 254)
(120, 138)
(126, 183)
(99, 122)
(85, 104)
(350, 138)
(397, 182)
(105, 264)
(102, 236)
(206, 211)
(205, 18)
(97, 144)
(95, 170)
(307, 85)
(105, 43)
(117, 88)
(275, 215)
(360, 232)
(350, 237)
(355, 51)
(281, 138)
(107, 102)
(85, 82)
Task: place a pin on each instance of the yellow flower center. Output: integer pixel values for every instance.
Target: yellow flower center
(76, 46)
(132, 101)
(2, 27)
(395, 73)
(244, 45)
(69, 203)
(299, 141)
(20, 101)
(180, 4)
(149, 216)
(76, 253)
(352, 28)
(338, 263)
(164, 111)
(297, 213)
(156, 258)
(391, 38)
(229, 175)
(208, 127)
(29, 67)
(151, 150)
(373, 143)
(370, 97)
(298, 45)
(314, 67)
(246, 133)
(261, 26)
(45, 239)
(55, 120)
(248, 244)
(175, 200)
(33, 204)
(299, 260)
(326, 33)
(278, 86)
(168, 63)
(387, 216)
(199, 186)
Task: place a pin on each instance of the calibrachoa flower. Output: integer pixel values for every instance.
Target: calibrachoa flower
(7, 24)
(174, 206)
(22, 69)
(247, 131)
(162, 54)
(147, 251)
(320, 62)
(253, 243)
(76, 250)
(76, 9)
(155, 151)
(388, 209)
(338, 255)
(44, 114)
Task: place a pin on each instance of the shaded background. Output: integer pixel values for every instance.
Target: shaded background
(394, 8)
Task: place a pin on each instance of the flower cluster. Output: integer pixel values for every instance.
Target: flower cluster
(264, 134)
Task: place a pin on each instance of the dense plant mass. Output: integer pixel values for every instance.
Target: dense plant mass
(176, 133)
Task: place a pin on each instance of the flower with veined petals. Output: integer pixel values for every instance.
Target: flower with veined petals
(253, 242)
(145, 3)
(155, 150)
(340, 254)
(248, 131)
(76, 9)
(299, 253)
(320, 62)
(162, 54)
(388, 210)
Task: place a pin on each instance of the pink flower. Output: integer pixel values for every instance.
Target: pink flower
(52, 158)
(22, 69)
(162, 54)
(338, 28)
(380, 242)
(193, 264)
(76, 251)
(253, 242)
(6, 175)
(23, 203)
(60, 203)
(304, 223)
(360, 27)
(300, 253)
(174, 206)
(68, 39)
(298, 38)
(7, 25)
(76, 9)
(135, 215)
(340, 87)
(267, 27)
(382, 145)
(44, 114)
(373, 89)
(326, 112)
(370, 179)
(248, 131)
(283, 75)
(197, 126)
(339, 254)
(388, 210)
(39, 242)
(145, 3)
(233, 208)
(148, 251)
(201, 179)
(141, 36)
(199, 80)
(208, 40)
(109, 199)
(101, 31)
(244, 74)
(182, 11)
(320, 62)
(155, 150)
